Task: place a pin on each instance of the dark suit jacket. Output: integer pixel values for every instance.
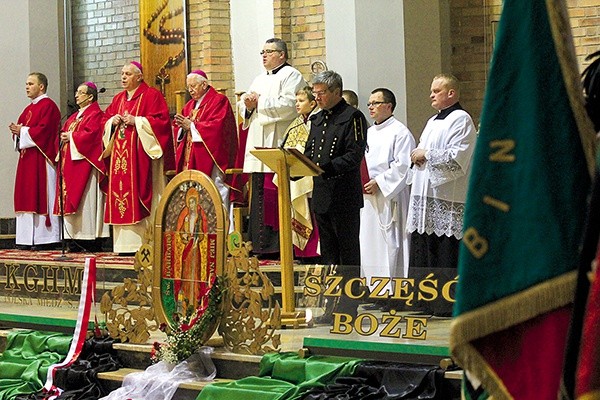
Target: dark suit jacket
(337, 144)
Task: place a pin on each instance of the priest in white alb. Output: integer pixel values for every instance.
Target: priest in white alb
(383, 237)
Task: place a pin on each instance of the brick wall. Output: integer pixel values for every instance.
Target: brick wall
(307, 34)
(585, 22)
(106, 35)
(210, 42)
(472, 34)
(471, 31)
(282, 24)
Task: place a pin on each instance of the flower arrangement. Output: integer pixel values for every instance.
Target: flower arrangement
(191, 329)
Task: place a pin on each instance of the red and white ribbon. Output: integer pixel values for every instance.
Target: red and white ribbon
(88, 289)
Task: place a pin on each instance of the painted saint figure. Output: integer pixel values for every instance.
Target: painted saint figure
(191, 251)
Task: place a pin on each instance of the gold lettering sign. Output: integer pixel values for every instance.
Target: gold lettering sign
(392, 324)
(34, 279)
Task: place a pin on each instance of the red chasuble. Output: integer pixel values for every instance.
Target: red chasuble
(129, 195)
(86, 133)
(43, 120)
(215, 121)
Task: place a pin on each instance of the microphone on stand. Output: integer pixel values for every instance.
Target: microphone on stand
(72, 108)
(282, 145)
(61, 216)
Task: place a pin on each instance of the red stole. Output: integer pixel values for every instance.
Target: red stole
(129, 195)
(215, 121)
(31, 182)
(86, 133)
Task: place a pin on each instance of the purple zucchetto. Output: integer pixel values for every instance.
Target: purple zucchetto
(137, 64)
(199, 72)
(91, 85)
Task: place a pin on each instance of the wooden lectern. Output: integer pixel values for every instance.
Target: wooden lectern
(287, 162)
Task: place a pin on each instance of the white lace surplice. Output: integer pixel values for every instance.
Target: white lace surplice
(439, 187)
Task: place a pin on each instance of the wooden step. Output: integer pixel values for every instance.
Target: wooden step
(136, 357)
(187, 390)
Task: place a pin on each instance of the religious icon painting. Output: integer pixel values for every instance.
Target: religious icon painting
(190, 233)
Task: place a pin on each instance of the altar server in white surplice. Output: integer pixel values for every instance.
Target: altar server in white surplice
(383, 238)
(442, 164)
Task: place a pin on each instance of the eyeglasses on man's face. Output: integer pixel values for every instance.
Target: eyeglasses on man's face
(320, 92)
(197, 85)
(375, 103)
(268, 51)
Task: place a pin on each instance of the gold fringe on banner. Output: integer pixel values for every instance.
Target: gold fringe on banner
(503, 314)
(565, 50)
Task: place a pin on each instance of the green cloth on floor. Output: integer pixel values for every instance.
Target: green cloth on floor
(282, 376)
(24, 364)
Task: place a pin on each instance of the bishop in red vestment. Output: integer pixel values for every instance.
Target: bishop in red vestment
(83, 171)
(139, 140)
(207, 136)
(35, 137)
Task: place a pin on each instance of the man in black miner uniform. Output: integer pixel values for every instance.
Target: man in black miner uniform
(337, 141)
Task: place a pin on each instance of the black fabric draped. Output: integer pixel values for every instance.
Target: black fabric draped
(374, 380)
(80, 380)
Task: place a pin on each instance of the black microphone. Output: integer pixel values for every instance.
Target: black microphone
(72, 107)
(101, 90)
(284, 139)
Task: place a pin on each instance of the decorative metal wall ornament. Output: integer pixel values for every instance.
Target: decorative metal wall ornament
(251, 315)
(318, 66)
(166, 36)
(163, 46)
(128, 309)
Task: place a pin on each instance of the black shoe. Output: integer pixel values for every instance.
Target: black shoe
(343, 306)
(85, 246)
(73, 247)
(442, 315)
(372, 307)
(351, 310)
(325, 319)
(45, 247)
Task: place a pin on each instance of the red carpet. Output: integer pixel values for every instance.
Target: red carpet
(52, 255)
